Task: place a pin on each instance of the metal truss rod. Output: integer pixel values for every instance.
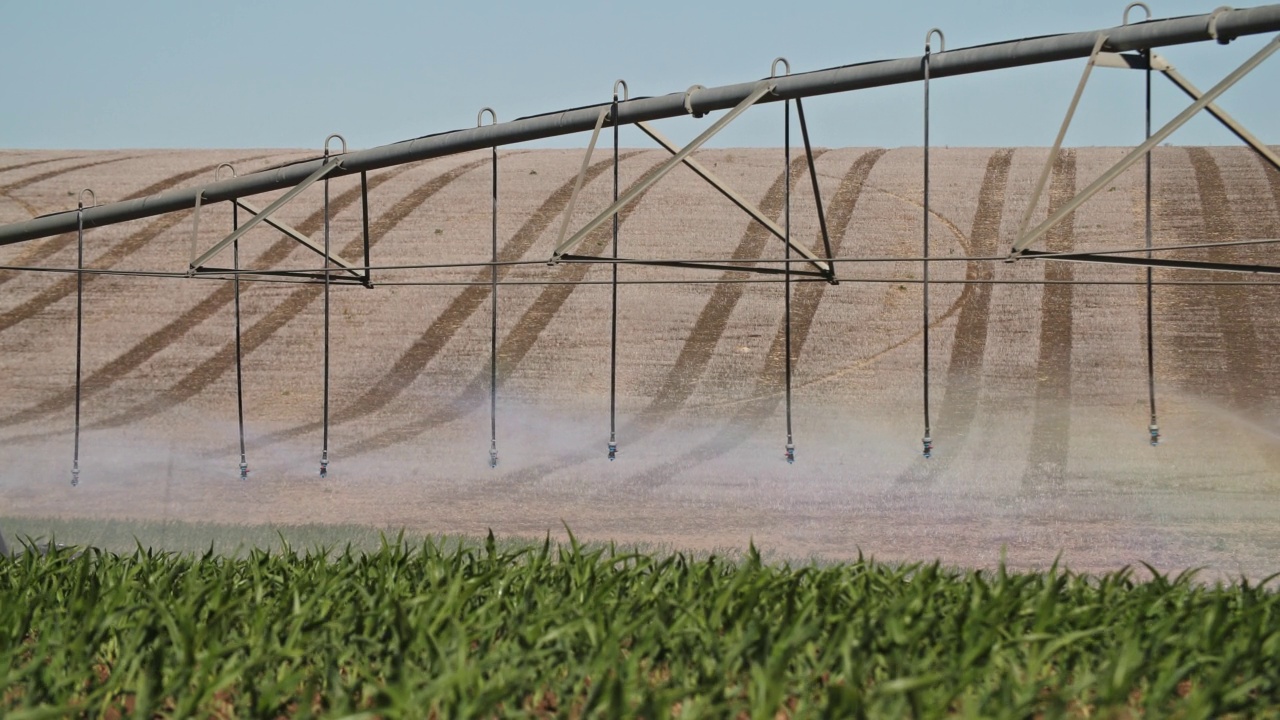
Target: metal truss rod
(762, 89)
(983, 58)
(307, 242)
(733, 196)
(324, 170)
(695, 265)
(1153, 262)
(1164, 67)
(1025, 240)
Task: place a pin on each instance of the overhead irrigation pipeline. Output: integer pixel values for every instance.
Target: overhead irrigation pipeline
(1222, 26)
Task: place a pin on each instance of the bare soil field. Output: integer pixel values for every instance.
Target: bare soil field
(1038, 391)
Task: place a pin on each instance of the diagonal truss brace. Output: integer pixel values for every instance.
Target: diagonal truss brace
(745, 205)
(678, 157)
(1152, 262)
(1164, 67)
(264, 215)
(1025, 239)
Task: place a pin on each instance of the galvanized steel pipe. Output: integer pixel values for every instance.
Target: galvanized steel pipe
(1030, 51)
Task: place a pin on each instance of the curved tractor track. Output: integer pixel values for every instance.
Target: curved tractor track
(969, 348)
(515, 345)
(455, 315)
(212, 304)
(678, 385)
(1051, 424)
(769, 388)
(32, 163)
(46, 249)
(1250, 379)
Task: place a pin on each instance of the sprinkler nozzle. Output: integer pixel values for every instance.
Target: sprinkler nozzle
(493, 455)
(1155, 434)
(244, 470)
(75, 475)
(928, 446)
(791, 453)
(613, 451)
(324, 465)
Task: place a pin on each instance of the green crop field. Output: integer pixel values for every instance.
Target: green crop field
(451, 629)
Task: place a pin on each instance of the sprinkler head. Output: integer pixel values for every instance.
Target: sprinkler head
(613, 451)
(75, 475)
(244, 470)
(493, 456)
(1155, 434)
(324, 466)
(928, 446)
(791, 453)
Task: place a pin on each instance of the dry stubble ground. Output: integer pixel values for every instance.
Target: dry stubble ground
(1041, 450)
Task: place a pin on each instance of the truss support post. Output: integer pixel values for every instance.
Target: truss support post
(1150, 61)
(723, 188)
(324, 451)
(817, 191)
(299, 237)
(1221, 115)
(320, 172)
(577, 185)
(927, 441)
(235, 254)
(790, 448)
(75, 457)
(1153, 428)
(364, 222)
(636, 190)
(493, 296)
(1024, 241)
(613, 315)
(1062, 135)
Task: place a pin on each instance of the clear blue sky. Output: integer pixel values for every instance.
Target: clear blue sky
(285, 74)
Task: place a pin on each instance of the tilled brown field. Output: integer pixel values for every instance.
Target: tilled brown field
(1039, 394)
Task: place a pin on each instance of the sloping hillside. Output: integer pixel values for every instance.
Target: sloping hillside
(1039, 391)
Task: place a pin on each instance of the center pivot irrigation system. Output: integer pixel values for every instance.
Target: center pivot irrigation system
(1128, 46)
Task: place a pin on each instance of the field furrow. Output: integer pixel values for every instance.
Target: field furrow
(1051, 427)
(514, 346)
(210, 306)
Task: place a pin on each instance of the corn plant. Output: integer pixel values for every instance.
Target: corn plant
(451, 630)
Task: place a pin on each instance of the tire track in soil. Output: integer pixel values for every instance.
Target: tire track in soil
(1051, 424)
(46, 161)
(154, 343)
(768, 395)
(44, 250)
(674, 392)
(969, 347)
(113, 256)
(1250, 379)
(514, 347)
(463, 305)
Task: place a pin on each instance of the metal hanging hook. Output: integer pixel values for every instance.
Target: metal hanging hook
(773, 67)
(217, 172)
(1138, 4)
(80, 199)
(330, 139)
(626, 91)
(1213, 24)
(928, 37)
(480, 116)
